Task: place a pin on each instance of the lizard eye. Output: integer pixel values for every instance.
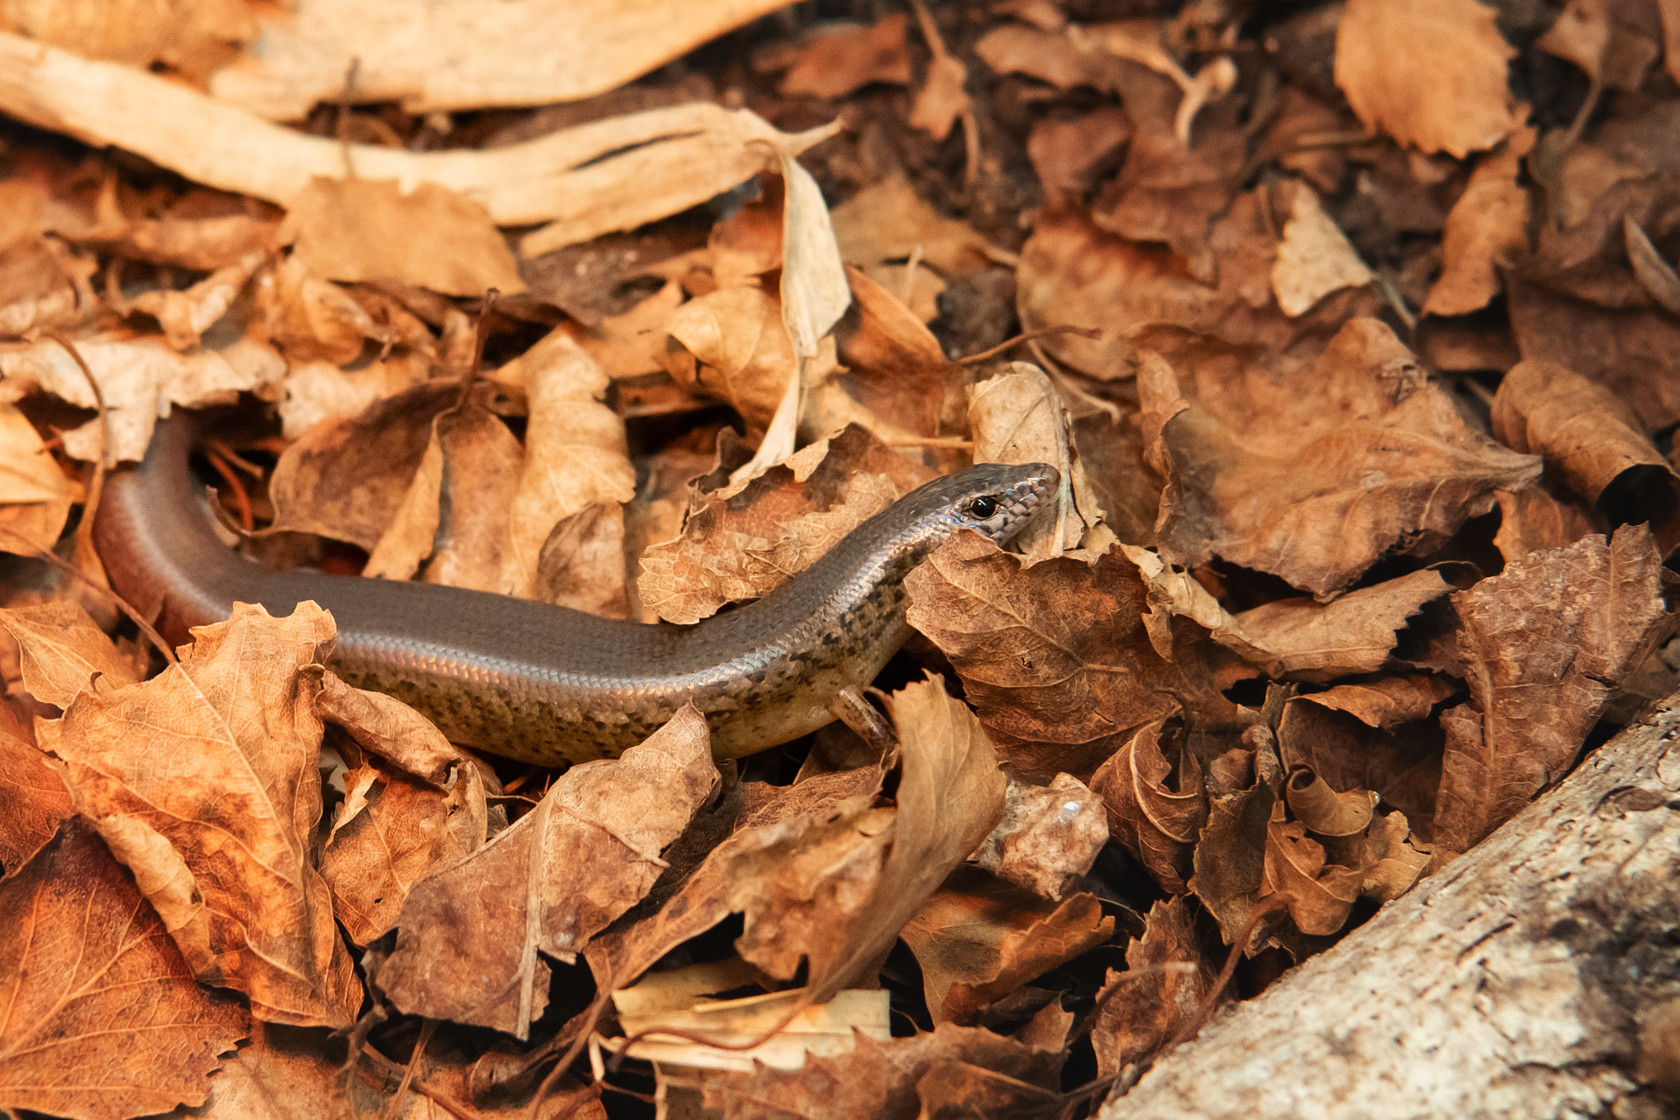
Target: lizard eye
(983, 507)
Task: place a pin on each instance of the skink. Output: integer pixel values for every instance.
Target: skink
(545, 684)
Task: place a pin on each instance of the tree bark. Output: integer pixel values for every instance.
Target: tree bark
(1537, 975)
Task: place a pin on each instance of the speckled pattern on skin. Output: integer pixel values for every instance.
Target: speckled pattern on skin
(546, 684)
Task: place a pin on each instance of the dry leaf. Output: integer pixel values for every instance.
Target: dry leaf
(672, 1001)
(950, 796)
(468, 938)
(1075, 274)
(186, 315)
(63, 652)
(34, 494)
(676, 157)
(1532, 520)
(1155, 822)
(814, 295)
(942, 100)
(1071, 155)
(192, 37)
(1314, 258)
(575, 456)
(1430, 73)
(1315, 472)
(1229, 858)
(1595, 442)
(843, 59)
(888, 221)
(430, 236)
(347, 478)
(394, 826)
(741, 351)
(1353, 633)
(1055, 657)
(1579, 302)
(1018, 417)
(454, 522)
(82, 959)
(891, 1080)
(979, 940)
(219, 838)
(35, 801)
(391, 832)
(317, 392)
(747, 539)
(1387, 702)
(1544, 644)
(1400, 763)
(1160, 993)
(139, 378)
(807, 852)
(1486, 230)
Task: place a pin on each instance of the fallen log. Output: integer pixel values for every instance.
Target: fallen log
(1537, 975)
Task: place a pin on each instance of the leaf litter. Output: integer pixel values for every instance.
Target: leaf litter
(1350, 328)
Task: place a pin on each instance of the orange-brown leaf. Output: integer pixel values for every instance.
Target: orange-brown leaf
(85, 961)
(203, 781)
(468, 937)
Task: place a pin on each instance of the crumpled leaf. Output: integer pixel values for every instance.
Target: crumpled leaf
(1430, 73)
(1544, 645)
(468, 937)
(138, 378)
(1147, 817)
(1143, 1008)
(1315, 472)
(414, 804)
(1055, 657)
(202, 781)
(1401, 762)
(1593, 439)
(1486, 230)
(575, 456)
(83, 958)
(1325, 812)
(978, 940)
(1320, 893)
(950, 796)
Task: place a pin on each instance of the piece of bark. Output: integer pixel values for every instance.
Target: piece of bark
(1538, 960)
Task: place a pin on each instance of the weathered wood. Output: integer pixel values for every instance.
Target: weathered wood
(1536, 976)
